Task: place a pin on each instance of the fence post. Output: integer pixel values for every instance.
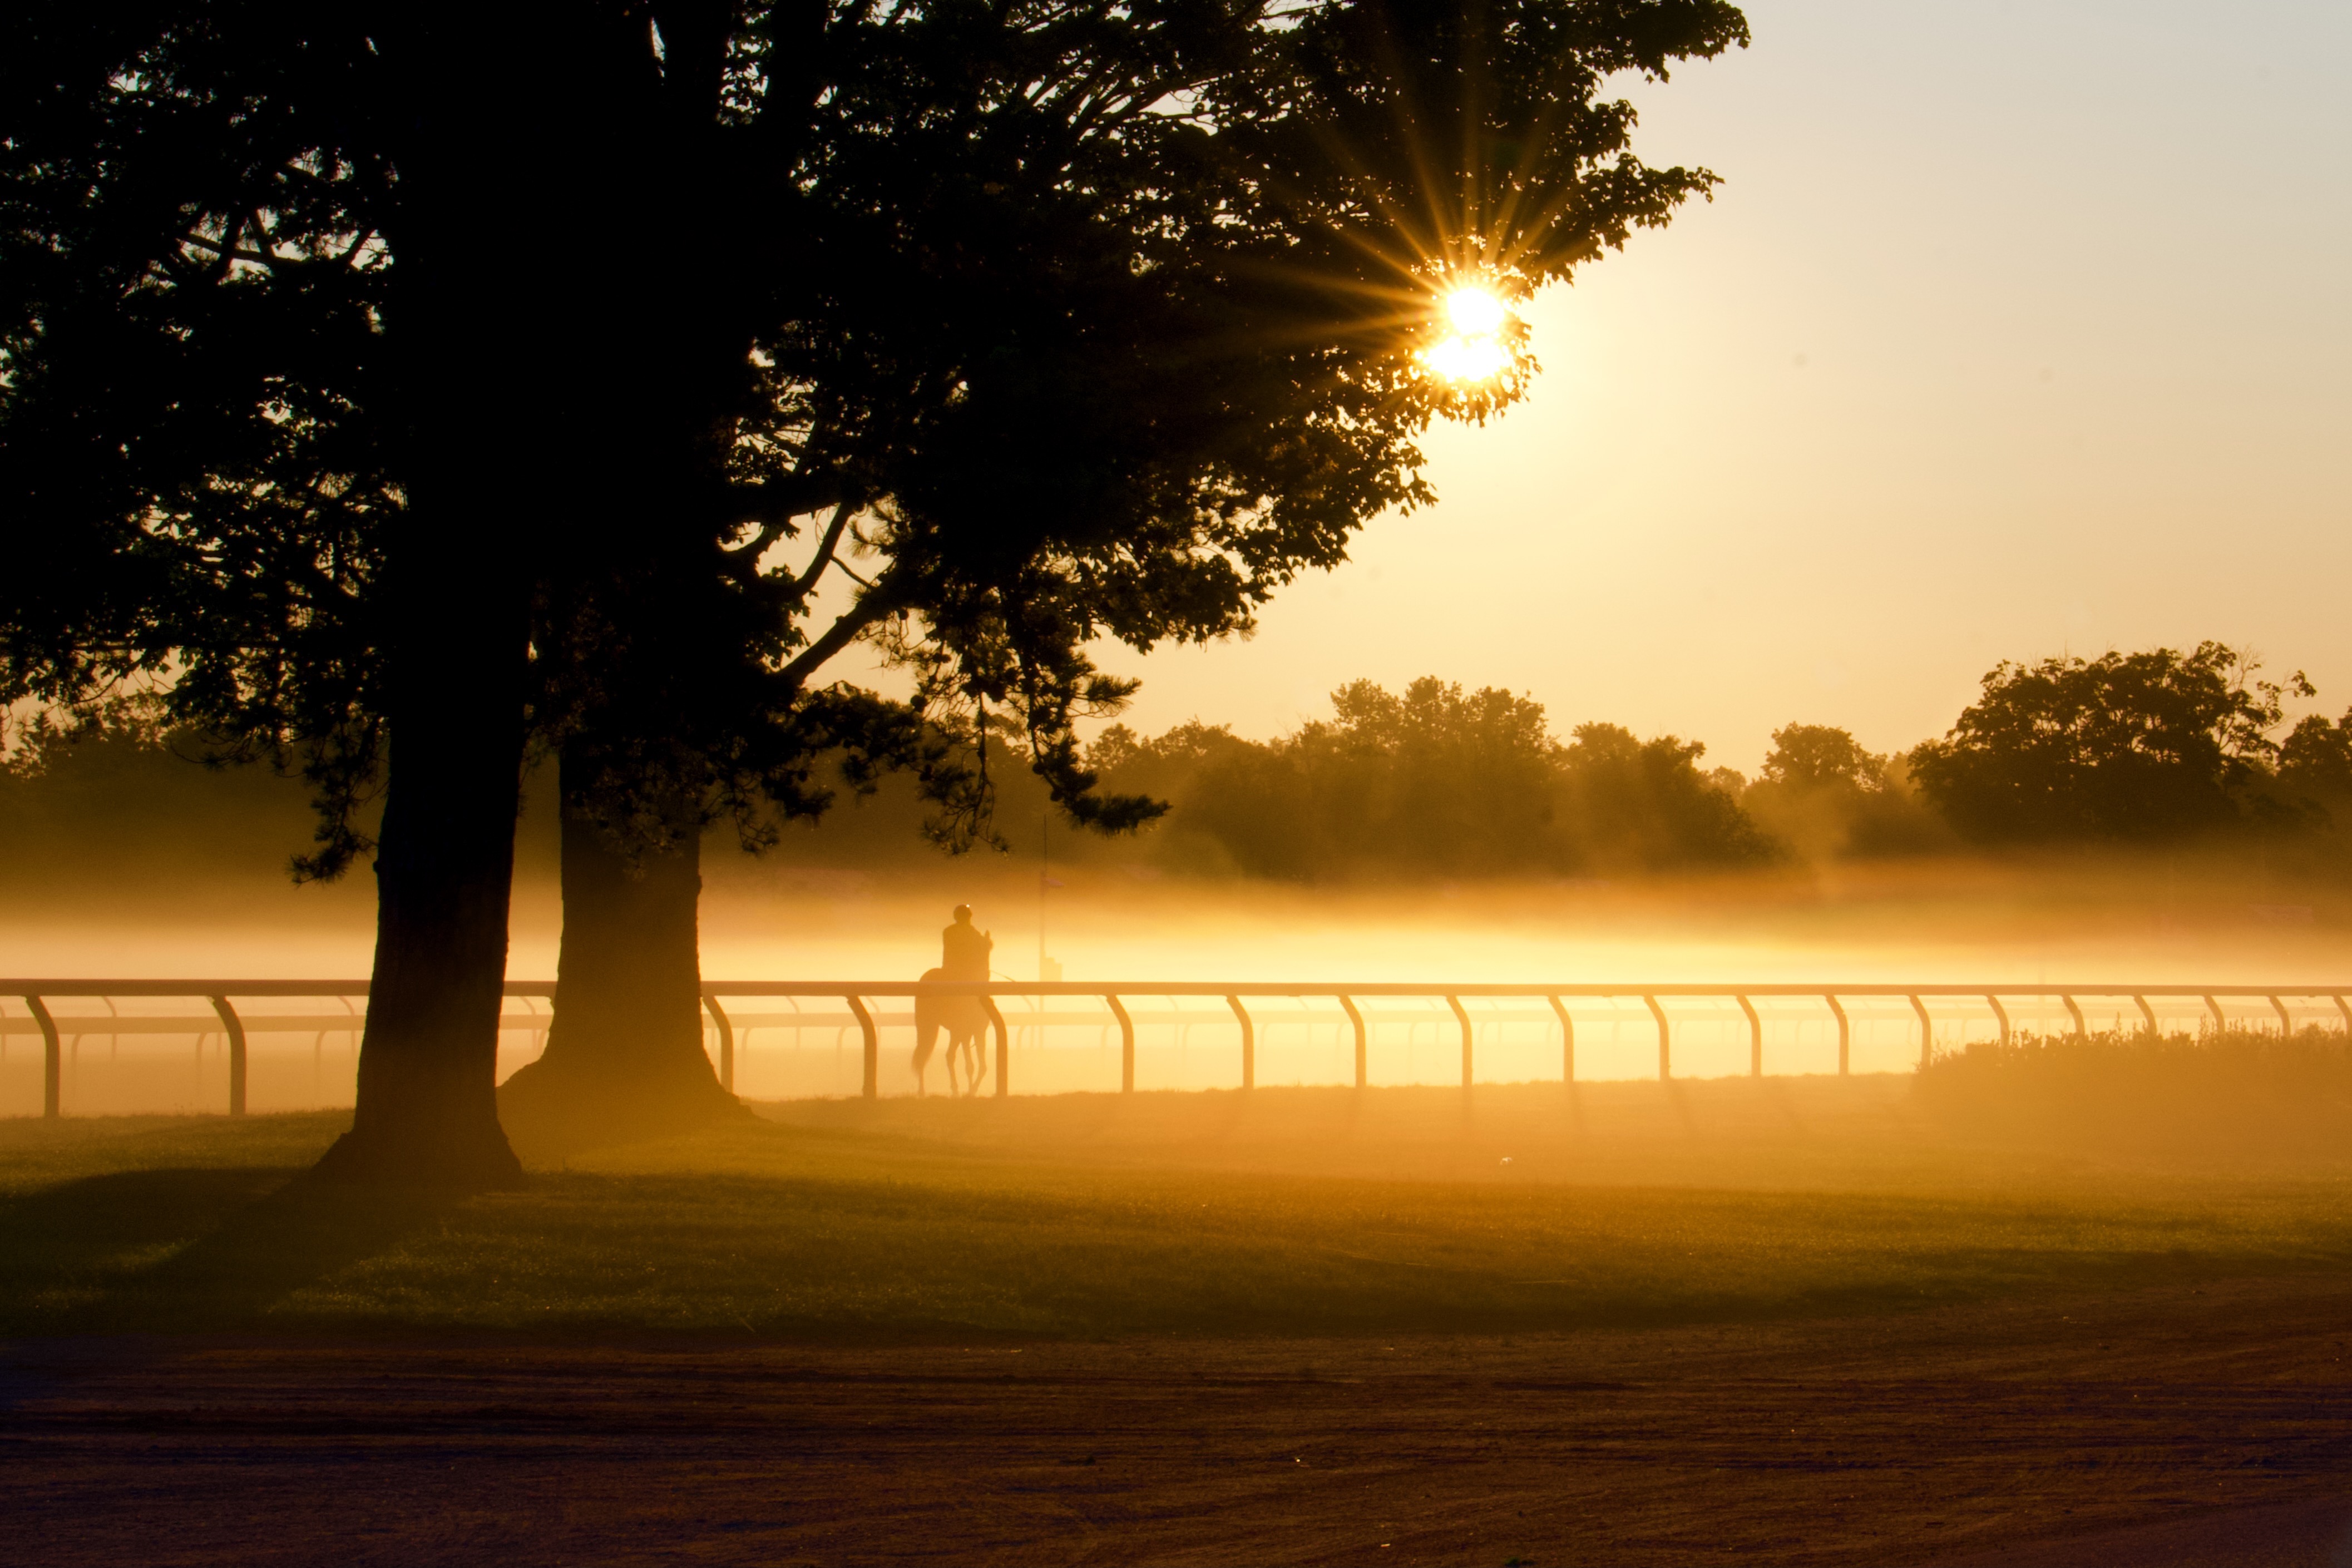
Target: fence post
(1755, 1038)
(726, 1042)
(52, 1064)
(2002, 1013)
(2074, 1011)
(873, 1040)
(1004, 1046)
(1249, 1043)
(2287, 1020)
(236, 1028)
(2146, 1012)
(2220, 1021)
(1666, 1040)
(2346, 1012)
(1347, 1006)
(1926, 1034)
(1568, 1041)
(1462, 1016)
(1126, 1043)
(1845, 1033)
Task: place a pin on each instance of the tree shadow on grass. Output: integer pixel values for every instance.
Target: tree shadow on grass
(183, 1251)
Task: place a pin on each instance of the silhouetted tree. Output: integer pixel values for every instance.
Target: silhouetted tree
(1825, 795)
(1817, 756)
(1436, 781)
(369, 370)
(2132, 746)
(1115, 372)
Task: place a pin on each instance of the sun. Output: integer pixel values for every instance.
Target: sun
(1475, 312)
(1475, 350)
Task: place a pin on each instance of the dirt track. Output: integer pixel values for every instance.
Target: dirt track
(1944, 1435)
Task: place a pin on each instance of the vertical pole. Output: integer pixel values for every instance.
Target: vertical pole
(2148, 1013)
(1566, 1040)
(1249, 1043)
(1926, 1034)
(1462, 1016)
(1666, 1040)
(51, 1066)
(1845, 1035)
(871, 1038)
(726, 1041)
(2074, 1011)
(1126, 1044)
(1004, 1046)
(2002, 1014)
(1347, 1006)
(236, 1028)
(1755, 1038)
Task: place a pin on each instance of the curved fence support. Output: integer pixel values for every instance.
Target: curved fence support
(2286, 1019)
(52, 1056)
(1126, 1044)
(1666, 1039)
(2148, 1013)
(1364, 1037)
(2074, 1011)
(871, 1038)
(1249, 1042)
(234, 1027)
(2343, 1007)
(1755, 1037)
(1926, 1034)
(1568, 1039)
(726, 1042)
(2221, 1019)
(1469, 1036)
(1003, 1045)
(2000, 1012)
(1845, 1033)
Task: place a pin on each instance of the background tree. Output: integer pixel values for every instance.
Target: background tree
(1433, 781)
(2150, 747)
(1821, 794)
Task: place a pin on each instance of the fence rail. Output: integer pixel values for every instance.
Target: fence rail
(221, 996)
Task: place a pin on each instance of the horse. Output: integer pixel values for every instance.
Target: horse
(966, 1023)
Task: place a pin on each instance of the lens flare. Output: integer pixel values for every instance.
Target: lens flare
(1476, 350)
(1468, 359)
(1475, 312)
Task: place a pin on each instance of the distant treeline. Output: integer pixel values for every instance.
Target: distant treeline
(2159, 748)
(2155, 749)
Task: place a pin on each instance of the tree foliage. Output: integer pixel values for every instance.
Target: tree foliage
(1433, 781)
(2142, 748)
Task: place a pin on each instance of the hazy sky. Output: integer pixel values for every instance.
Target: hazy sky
(2014, 328)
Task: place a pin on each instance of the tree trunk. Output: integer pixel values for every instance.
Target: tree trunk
(485, 368)
(624, 1058)
(427, 1112)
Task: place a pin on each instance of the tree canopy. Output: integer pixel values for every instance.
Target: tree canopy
(2127, 747)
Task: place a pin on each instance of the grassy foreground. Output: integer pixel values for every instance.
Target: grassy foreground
(1288, 1212)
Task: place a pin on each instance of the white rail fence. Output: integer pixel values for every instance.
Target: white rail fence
(1193, 1034)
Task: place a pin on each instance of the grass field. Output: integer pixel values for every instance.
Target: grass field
(1799, 1320)
(1280, 1212)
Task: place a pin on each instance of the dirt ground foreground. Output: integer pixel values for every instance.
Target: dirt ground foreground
(2129, 1427)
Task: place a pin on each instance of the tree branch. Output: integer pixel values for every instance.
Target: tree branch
(832, 540)
(870, 608)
